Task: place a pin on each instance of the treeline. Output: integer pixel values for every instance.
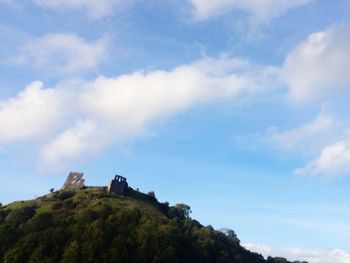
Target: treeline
(92, 226)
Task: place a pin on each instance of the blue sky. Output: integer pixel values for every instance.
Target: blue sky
(237, 108)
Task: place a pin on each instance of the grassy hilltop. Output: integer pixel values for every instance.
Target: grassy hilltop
(91, 225)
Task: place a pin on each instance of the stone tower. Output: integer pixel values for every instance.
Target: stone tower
(118, 185)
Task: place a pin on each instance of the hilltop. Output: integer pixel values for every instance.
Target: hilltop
(91, 225)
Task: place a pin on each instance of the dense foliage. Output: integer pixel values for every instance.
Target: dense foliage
(92, 226)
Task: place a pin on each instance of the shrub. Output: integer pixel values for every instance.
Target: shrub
(63, 195)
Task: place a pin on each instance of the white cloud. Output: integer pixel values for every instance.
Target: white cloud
(306, 138)
(317, 70)
(261, 10)
(33, 113)
(140, 97)
(333, 161)
(83, 139)
(318, 67)
(312, 256)
(95, 8)
(319, 137)
(61, 53)
(109, 110)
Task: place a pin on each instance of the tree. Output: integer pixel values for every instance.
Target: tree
(184, 210)
(231, 235)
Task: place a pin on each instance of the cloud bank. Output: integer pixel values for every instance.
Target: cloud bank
(112, 109)
(86, 116)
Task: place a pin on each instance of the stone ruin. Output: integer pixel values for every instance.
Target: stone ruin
(74, 181)
(118, 185)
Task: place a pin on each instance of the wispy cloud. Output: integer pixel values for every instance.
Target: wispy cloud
(308, 137)
(333, 161)
(317, 70)
(318, 67)
(314, 256)
(82, 139)
(325, 137)
(261, 11)
(61, 53)
(94, 8)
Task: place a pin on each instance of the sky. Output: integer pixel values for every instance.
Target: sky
(238, 108)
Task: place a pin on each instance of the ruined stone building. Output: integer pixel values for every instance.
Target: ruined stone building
(118, 185)
(74, 181)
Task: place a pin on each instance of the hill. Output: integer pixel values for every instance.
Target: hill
(90, 225)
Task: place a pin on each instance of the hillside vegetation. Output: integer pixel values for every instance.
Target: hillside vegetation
(91, 225)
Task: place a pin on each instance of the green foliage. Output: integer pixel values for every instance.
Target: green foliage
(92, 226)
(231, 235)
(63, 195)
(183, 210)
(20, 215)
